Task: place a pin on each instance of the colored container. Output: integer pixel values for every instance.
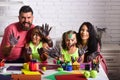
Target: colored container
(69, 68)
(33, 66)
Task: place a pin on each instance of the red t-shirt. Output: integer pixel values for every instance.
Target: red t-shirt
(16, 51)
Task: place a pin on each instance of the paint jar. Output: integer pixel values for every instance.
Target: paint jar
(44, 68)
(69, 68)
(87, 67)
(33, 65)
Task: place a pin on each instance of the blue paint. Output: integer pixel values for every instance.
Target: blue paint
(69, 68)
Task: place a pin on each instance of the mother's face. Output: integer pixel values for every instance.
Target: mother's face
(84, 34)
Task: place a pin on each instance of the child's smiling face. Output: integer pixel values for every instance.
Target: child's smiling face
(35, 36)
(70, 40)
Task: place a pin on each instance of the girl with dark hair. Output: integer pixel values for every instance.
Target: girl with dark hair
(70, 50)
(88, 42)
(34, 49)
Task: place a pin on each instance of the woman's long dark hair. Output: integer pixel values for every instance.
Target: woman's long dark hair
(92, 41)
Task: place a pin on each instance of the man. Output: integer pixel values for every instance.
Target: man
(15, 36)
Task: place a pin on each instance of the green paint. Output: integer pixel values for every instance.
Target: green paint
(70, 35)
(52, 76)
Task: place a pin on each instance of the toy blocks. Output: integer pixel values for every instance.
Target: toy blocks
(76, 65)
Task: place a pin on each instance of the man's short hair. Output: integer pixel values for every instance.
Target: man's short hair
(25, 9)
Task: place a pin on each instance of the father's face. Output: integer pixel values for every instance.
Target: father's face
(26, 20)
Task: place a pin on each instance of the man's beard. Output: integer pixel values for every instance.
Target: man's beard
(24, 27)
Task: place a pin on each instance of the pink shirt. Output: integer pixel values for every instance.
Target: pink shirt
(16, 51)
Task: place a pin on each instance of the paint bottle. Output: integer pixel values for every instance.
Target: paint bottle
(33, 65)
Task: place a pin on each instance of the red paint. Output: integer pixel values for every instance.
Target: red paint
(2, 64)
(34, 66)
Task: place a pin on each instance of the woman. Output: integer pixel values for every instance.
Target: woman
(87, 41)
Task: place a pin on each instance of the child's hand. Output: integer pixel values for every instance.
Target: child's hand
(41, 50)
(28, 50)
(27, 53)
(53, 52)
(43, 54)
(45, 30)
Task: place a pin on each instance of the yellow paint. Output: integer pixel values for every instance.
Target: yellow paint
(44, 68)
(27, 72)
(26, 66)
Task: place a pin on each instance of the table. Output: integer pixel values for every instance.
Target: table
(101, 75)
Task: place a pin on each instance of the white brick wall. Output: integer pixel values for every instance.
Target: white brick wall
(112, 19)
(64, 15)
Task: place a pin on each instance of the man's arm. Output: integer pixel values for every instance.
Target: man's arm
(6, 50)
(9, 41)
